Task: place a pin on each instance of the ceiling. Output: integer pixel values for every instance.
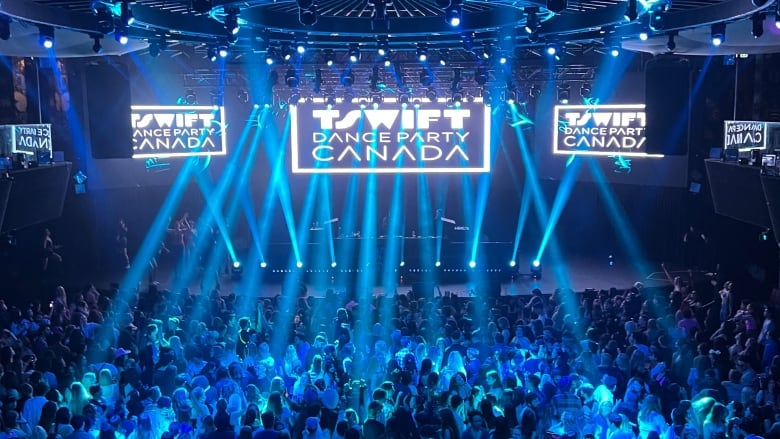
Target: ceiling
(497, 23)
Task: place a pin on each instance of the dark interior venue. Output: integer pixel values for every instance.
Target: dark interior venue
(346, 219)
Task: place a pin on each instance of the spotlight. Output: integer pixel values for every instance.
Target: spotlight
(402, 264)
(98, 48)
(5, 27)
(556, 6)
(443, 56)
(586, 90)
(481, 77)
(223, 51)
(377, 99)
(120, 35)
(457, 98)
(422, 52)
(125, 13)
(333, 264)
(307, 16)
(643, 36)
(291, 78)
(631, 10)
(487, 51)
(552, 49)
(614, 51)
(453, 15)
(46, 36)
(328, 55)
(437, 264)
(237, 270)
(213, 54)
(472, 264)
(718, 33)
(512, 263)
(531, 20)
(670, 44)
(382, 47)
(403, 98)
(263, 264)
(758, 24)
(502, 59)
(387, 62)
(431, 94)
(231, 21)
(299, 264)
(354, 53)
(300, 48)
(564, 93)
(536, 269)
(270, 56)
(777, 15)
(286, 51)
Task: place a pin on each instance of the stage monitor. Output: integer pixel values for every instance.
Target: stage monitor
(390, 138)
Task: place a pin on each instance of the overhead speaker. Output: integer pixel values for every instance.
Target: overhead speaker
(667, 105)
(108, 110)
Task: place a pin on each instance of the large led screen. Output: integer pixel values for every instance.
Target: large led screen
(391, 138)
(178, 131)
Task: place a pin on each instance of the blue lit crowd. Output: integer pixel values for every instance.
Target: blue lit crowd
(618, 364)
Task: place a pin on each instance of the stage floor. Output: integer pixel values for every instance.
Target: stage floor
(578, 274)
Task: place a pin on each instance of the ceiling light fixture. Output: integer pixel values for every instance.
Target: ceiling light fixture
(670, 44)
(453, 14)
(126, 14)
(757, 20)
(291, 78)
(564, 93)
(718, 33)
(382, 46)
(97, 47)
(422, 52)
(354, 53)
(231, 21)
(532, 22)
(46, 36)
(120, 35)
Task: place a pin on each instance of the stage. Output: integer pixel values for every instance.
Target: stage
(578, 274)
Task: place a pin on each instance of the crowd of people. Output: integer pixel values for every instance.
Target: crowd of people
(154, 364)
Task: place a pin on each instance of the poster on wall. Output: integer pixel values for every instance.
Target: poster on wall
(391, 138)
